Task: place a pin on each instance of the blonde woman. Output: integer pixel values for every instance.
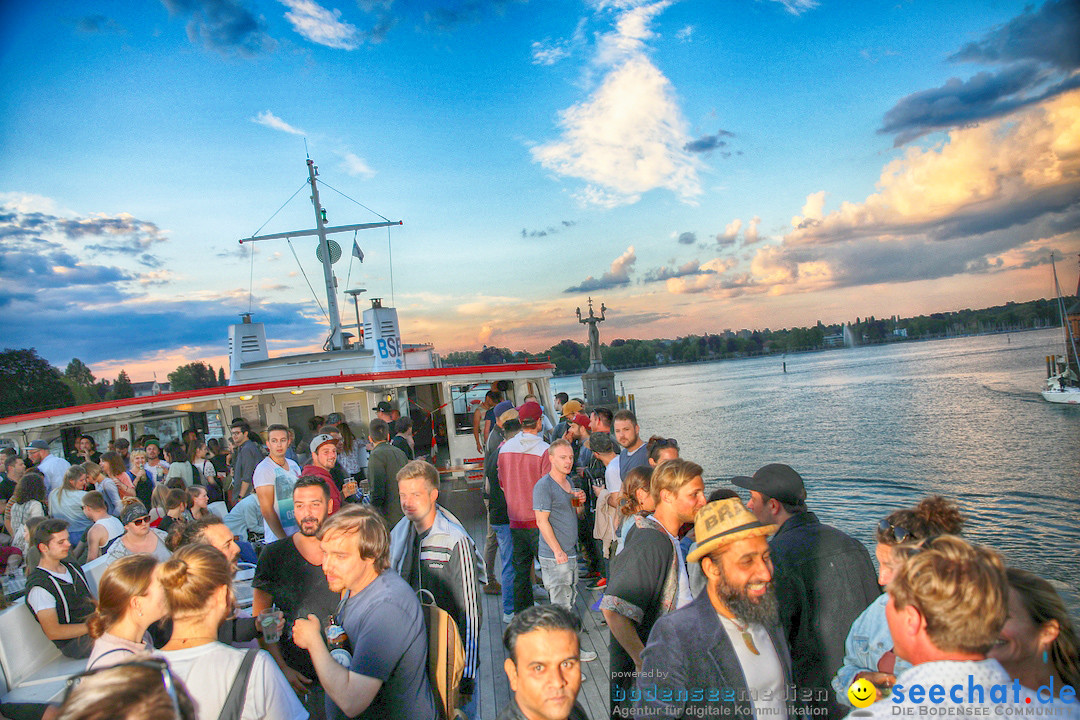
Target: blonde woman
(157, 503)
(198, 589)
(130, 600)
(140, 479)
(65, 502)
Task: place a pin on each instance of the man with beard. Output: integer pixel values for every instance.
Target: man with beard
(628, 435)
(727, 646)
(431, 549)
(834, 570)
(290, 576)
(387, 675)
(212, 530)
(649, 578)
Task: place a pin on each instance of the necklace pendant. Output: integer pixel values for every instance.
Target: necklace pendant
(749, 640)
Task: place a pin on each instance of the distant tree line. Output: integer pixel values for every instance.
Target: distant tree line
(28, 383)
(571, 357)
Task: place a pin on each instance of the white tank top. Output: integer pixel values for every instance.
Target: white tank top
(112, 525)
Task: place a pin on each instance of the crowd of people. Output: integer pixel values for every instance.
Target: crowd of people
(713, 606)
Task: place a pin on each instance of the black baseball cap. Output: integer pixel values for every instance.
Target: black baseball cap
(383, 406)
(775, 480)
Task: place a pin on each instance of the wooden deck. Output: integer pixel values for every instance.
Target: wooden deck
(468, 505)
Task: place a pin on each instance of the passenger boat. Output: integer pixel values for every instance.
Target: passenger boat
(354, 373)
(1062, 381)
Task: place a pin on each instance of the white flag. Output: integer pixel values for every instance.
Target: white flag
(357, 252)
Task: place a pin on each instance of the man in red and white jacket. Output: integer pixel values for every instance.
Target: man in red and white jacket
(523, 460)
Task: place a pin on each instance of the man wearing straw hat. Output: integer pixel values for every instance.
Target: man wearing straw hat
(726, 649)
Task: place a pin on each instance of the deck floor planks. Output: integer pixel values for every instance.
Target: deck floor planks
(468, 506)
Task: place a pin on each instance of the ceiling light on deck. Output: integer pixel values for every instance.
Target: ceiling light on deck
(349, 387)
(296, 392)
(245, 398)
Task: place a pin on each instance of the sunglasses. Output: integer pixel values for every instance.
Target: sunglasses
(667, 443)
(898, 533)
(153, 663)
(141, 521)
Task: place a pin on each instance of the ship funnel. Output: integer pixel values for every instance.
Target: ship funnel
(247, 344)
(382, 335)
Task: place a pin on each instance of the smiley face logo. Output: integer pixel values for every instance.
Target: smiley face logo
(862, 693)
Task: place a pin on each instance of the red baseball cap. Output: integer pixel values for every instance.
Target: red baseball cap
(530, 411)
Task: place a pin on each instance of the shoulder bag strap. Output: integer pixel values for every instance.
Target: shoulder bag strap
(234, 703)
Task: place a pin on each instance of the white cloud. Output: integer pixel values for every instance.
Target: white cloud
(547, 53)
(731, 230)
(812, 211)
(686, 34)
(273, 122)
(797, 7)
(29, 203)
(751, 235)
(628, 136)
(320, 25)
(356, 166)
(618, 275)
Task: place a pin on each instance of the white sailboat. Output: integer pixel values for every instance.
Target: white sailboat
(1062, 382)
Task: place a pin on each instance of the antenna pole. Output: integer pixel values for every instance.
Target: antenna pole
(334, 342)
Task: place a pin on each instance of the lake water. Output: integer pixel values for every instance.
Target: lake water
(877, 428)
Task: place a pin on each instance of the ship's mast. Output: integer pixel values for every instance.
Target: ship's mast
(335, 341)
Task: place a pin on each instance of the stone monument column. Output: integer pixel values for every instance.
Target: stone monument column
(598, 381)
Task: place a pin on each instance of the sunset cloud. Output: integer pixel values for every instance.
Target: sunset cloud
(973, 204)
(618, 275)
(628, 137)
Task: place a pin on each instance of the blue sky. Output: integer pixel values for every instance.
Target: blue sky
(696, 165)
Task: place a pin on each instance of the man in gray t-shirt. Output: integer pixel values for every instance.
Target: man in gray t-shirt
(557, 504)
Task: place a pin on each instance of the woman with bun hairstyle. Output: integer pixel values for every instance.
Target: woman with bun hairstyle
(636, 499)
(869, 645)
(1038, 645)
(130, 600)
(198, 588)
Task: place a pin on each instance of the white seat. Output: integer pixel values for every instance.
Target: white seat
(94, 570)
(27, 657)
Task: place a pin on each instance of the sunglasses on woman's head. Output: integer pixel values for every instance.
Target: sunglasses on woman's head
(899, 534)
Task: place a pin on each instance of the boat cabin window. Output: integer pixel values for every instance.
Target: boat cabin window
(165, 429)
(465, 399)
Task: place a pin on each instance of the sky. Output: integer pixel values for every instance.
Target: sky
(695, 165)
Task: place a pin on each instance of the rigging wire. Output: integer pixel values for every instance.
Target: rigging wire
(351, 256)
(317, 300)
(251, 274)
(279, 209)
(355, 201)
(389, 245)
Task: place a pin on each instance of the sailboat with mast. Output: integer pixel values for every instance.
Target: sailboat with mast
(1062, 379)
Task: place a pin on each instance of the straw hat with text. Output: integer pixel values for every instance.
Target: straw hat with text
(722, 523)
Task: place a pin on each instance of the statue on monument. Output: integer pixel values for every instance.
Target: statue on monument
(594, 333)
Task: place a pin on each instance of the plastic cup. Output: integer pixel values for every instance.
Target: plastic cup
(270, 620)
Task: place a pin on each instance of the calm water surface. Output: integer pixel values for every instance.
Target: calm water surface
(874, 429)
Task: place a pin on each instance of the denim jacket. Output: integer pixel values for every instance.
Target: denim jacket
(867, 641)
